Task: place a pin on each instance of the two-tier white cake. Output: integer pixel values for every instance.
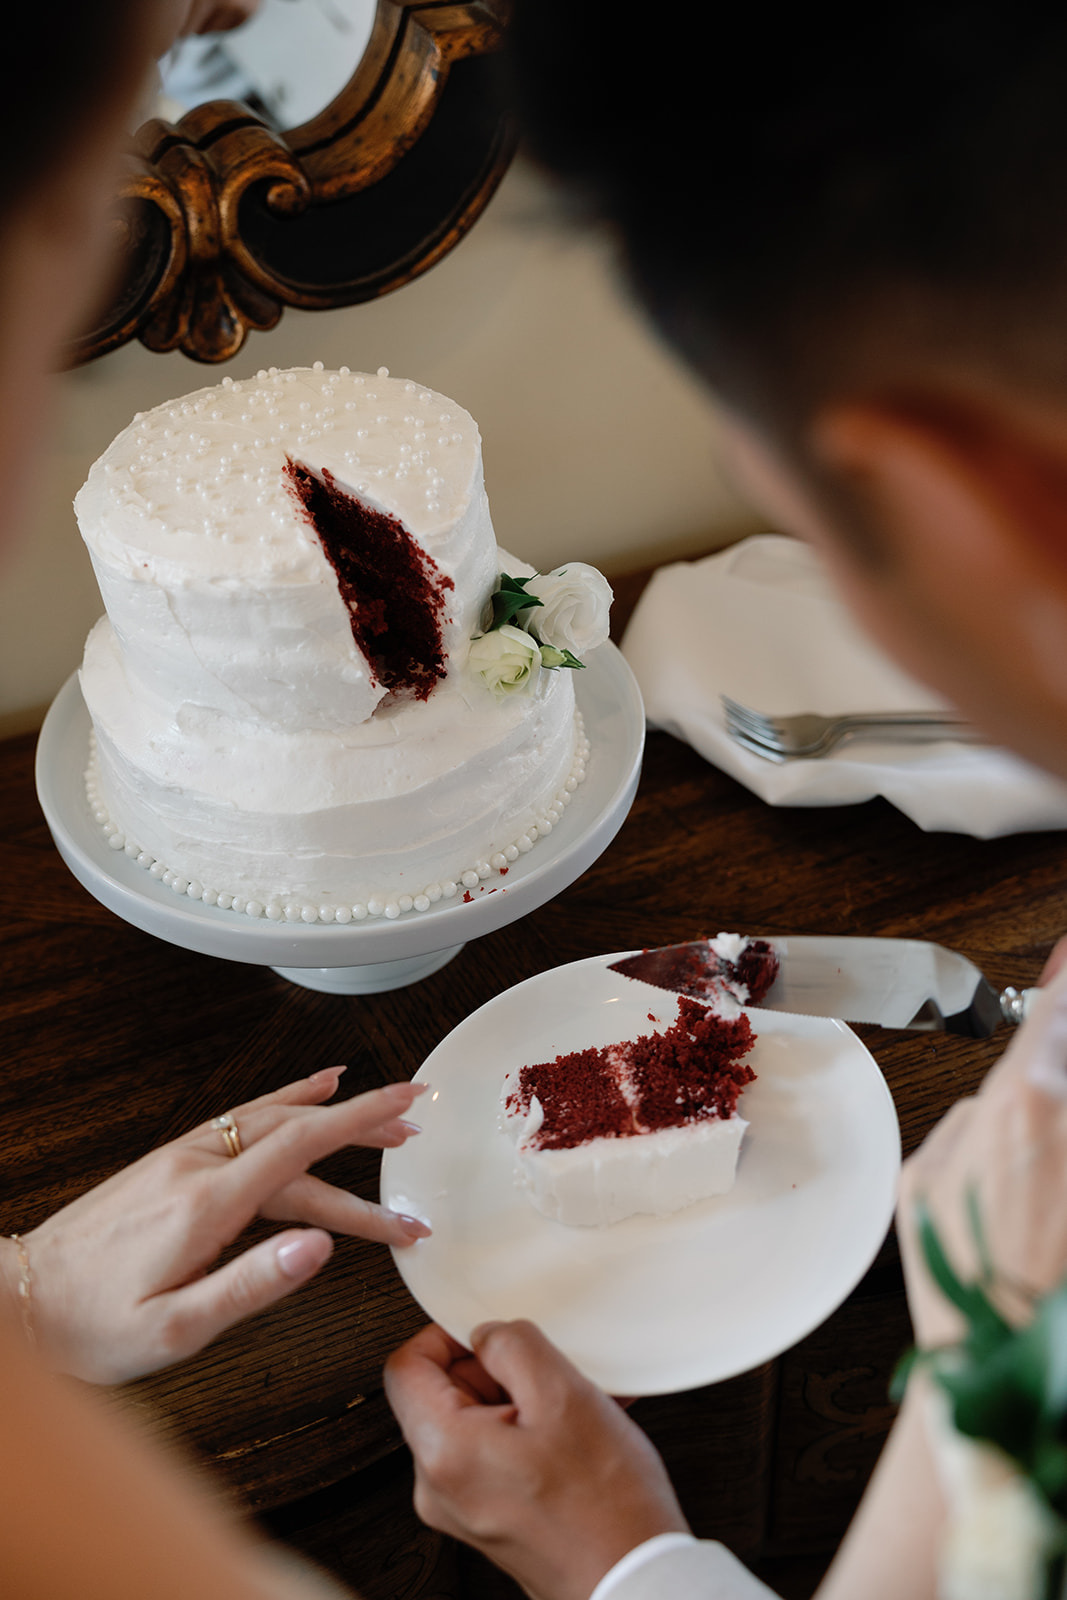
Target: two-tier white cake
(287, 722)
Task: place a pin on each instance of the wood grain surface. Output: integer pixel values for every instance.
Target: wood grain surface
(114, 1041)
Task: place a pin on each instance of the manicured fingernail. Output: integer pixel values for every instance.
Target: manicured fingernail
(326, 1072)
(414, 1226)
(404, 1091)
(298, 1258)
(412, 1127)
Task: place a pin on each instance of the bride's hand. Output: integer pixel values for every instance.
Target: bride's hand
(121, 1281)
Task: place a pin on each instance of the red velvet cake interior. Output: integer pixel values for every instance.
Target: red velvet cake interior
(692, 1072)
(394, 591)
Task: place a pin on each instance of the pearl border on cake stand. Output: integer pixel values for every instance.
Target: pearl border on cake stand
(373, 956)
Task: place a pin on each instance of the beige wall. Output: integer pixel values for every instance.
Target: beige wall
(597, 446)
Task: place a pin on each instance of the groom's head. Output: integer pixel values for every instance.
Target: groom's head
(853, 225)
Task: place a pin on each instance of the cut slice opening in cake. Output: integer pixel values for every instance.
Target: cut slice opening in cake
(394, 592)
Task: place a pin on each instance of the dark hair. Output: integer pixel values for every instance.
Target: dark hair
(775, 172)
(68, 58)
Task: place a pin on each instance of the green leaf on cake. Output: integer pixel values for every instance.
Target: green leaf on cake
(511, 598)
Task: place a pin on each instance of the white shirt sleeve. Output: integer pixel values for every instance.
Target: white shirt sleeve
(683, 1567)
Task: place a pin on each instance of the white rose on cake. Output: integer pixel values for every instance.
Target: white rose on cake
(573, 614)
(508, 659)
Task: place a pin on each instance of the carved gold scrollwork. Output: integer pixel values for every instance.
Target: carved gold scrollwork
(226, 221)
(217, 295)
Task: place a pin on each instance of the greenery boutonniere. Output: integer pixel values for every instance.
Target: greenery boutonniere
(1005, 1389)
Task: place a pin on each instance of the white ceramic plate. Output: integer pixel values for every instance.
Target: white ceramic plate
(652, 1304)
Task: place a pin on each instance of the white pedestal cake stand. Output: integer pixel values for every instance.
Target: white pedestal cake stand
(372, 956)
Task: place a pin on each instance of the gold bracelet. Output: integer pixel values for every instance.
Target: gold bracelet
(25, 1287)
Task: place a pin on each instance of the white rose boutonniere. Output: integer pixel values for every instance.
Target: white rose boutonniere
(508, 659)
(572, 616)
(1001, 1534)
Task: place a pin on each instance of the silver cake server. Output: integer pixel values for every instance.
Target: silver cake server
(892, 983)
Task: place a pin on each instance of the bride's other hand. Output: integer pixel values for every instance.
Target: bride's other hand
(123, 1280)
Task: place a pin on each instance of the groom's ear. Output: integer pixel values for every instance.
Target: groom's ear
(949, 513)
(966, 479)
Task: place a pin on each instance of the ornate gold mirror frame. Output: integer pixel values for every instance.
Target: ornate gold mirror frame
(227, 221)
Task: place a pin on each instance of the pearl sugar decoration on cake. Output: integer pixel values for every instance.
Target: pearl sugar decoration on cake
(167, 484)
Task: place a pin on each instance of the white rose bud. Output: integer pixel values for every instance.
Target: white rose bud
(508, 659)
(552, 658)
(999, 1538)
(573, 614)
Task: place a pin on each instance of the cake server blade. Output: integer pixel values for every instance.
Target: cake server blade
(892, 983)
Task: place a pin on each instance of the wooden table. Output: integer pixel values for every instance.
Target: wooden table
(114, 1041)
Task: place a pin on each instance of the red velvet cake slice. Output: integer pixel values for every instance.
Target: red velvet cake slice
(649, 1124)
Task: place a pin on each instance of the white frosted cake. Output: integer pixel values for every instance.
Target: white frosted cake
(302, 704)
(646, 1125)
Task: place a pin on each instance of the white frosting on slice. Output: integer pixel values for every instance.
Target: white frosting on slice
(605, 1180)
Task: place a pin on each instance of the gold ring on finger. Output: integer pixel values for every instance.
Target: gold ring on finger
(228, 1128)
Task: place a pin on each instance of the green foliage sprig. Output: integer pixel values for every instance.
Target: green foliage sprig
(511, 598)
(1006, 1386)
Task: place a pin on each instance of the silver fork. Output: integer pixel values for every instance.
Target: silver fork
(808, 735)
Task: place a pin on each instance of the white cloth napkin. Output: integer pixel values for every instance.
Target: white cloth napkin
(760, 622)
